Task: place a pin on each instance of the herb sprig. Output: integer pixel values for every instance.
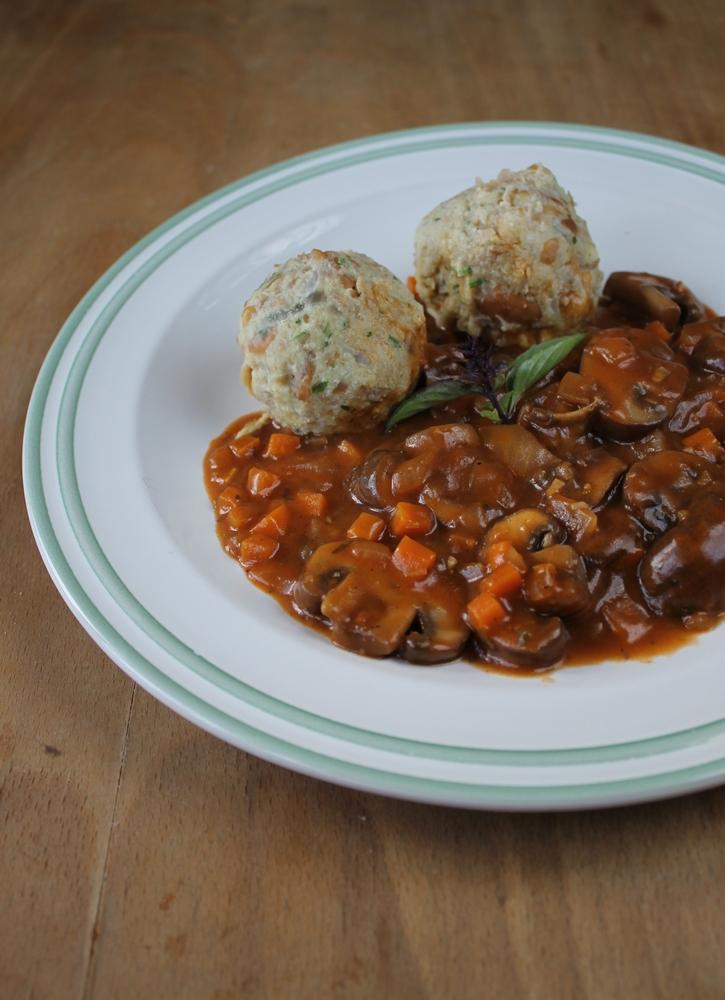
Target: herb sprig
(502, 389)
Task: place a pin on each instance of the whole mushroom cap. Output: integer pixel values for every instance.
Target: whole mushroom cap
(510, 253)
(332, 340)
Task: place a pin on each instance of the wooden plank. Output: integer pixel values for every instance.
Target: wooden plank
(228, 877)
(205, 872)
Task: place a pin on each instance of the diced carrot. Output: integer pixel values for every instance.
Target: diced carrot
(704, 443)
(410, 519)
(227, 499)
(413, 559)
(311, 504)
(350, 451)
(275, 523)
(261, 483)
(280, 445)
(660, 329)
(366, 526)
(221, 461)
(499, 553)
(244, 446)
(240, 516)
(503, 581)
(484, 611)
(412, 284)
(257, 548)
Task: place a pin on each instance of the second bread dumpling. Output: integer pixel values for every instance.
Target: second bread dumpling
(510, 253)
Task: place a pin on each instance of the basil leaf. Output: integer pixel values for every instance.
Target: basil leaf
(531, 366)
(489, 413)
(431, 395)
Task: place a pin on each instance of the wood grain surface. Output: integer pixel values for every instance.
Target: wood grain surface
(140, 857)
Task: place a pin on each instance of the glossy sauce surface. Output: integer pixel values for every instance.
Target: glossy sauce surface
(599, 471)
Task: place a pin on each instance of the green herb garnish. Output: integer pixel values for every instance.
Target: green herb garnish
(506, 391)
(302, 335)
(319, 387)
(394, 340)
(464, 272)
(438, 392)
(476, 282)
(531, 366)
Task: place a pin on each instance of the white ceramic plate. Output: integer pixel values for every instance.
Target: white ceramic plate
(145, 372)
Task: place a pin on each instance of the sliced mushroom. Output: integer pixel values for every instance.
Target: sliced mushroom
(698, 409)
(438, 635)
(527, 529)
(579, 416)
(599, 476)
(512, 445)
(655, 297)
(684, 571)
(471, 517)
(411, 475)
(556, 583)
(617, 540)
(370, 608)
(639, 379)
(660, 487)
(370, 483)
(576, 516)
(704, 343)
(341, 581)
(442, 437)
(492, 484)
(525, 639)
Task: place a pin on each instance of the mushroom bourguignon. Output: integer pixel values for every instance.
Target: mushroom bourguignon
(593, 526)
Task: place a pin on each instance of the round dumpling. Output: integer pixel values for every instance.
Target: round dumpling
(332, 341)
(510, 253)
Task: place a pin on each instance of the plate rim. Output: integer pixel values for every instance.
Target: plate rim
(257, 741)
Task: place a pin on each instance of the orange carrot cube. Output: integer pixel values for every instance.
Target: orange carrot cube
(275, 523)
(261, 483)
(243, 447)
(484, 611)
(311, 504)
(227, 499)
(366, 526)
(413, 559)
(499, 553)
(257, 548)
(280, 445)
(221, 461)
(240, 515)
(411, 519)
(504, 581)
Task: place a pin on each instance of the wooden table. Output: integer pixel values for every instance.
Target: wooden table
(140, 857)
